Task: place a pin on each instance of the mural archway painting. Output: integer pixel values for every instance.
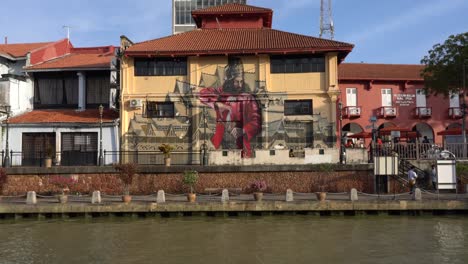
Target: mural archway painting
(229, 109)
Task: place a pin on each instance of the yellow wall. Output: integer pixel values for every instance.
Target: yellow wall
(317, 86)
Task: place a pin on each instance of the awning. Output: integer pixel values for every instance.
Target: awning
(451, 132)
(362, 134)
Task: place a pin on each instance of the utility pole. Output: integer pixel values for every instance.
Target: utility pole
(327, 29)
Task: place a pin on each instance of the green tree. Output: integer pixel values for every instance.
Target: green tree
(444, 65)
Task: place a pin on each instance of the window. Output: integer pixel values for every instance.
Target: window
(160, 109)
(97, 89)
(298, 107)
(56, 90)
(161, 67)
(297, 64)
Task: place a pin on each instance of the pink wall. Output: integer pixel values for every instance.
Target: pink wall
(369, 99)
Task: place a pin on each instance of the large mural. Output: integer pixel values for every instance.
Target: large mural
(229, 109)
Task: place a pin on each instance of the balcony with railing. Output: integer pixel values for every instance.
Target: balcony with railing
(423, 112)
(351, 111)
(455, 112)
(386, 112)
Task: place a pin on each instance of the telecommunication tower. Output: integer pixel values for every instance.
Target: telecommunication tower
(327, 30)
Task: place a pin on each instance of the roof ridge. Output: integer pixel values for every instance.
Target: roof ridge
(216, 8)
(27, 43)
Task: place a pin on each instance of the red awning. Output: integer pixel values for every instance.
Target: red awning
(362, 134)
(395, 128)
(451, 132)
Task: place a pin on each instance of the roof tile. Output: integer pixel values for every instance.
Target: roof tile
(21, 49)
(232, 8)
(368, 71)
(64, 116)
(213, 41)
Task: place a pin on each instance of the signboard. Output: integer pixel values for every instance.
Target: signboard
(386, 165)
(446, 175)
(404, 99)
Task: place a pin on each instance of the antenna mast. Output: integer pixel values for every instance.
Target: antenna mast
(327, 30)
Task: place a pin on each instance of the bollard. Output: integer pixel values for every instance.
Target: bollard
(96, 198)
(417, 195)
(31, 198)
(225, 196)
(161, 198)
(289, 195)
(353, 196)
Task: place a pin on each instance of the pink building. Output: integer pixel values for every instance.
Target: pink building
(393, 95)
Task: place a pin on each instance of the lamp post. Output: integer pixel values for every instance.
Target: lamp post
(204, 157)
(101, 158)
(6, 161)
(464, 109)
(342, 144)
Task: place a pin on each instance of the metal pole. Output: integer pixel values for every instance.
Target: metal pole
(101, 157)
(6, 161)
(205, 158)
(464, 112)
(340, 123)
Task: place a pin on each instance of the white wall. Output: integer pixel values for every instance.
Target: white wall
(110, 139)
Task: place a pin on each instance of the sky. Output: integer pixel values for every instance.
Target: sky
(383, 31)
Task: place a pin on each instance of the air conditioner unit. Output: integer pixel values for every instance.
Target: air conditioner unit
(135, 103)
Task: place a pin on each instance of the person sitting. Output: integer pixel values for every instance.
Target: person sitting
(426, 140)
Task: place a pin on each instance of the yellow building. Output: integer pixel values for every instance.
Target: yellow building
(233, 87)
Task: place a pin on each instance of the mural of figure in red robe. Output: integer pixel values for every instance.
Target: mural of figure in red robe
(238, 118)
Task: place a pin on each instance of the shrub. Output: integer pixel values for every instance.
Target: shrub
(127, 172)
(258, 186)
(64, 183)
(3, 178)
(190, 178)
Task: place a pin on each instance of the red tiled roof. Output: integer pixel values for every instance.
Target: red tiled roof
(367, 71)
(64, 116)
(232, 8)
(20, 49)
(235, 41)
(79, 58)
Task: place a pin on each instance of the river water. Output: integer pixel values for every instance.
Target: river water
(249, 239)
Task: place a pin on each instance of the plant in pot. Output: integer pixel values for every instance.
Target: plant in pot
(190, 178)
(127, 172)
(166, 149)
(49, 156)
(258, 187)
(64, 184)
(320, 183)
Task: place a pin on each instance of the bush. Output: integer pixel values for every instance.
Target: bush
(3, 178)
(258, 186)
(64, 183)
(166, 149)
(127, 172)
(190, 178)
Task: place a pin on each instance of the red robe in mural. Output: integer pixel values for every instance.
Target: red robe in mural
(244, 113)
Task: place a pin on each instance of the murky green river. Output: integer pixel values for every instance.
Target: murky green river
(272, 239)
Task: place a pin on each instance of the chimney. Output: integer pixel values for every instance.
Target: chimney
(6, 40)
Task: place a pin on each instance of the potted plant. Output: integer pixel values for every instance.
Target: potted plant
(320, 183)
(3, 180)
(190, 179)
(258, 187)
(166, 149)
(49, 156)
(64, 184)
(127, 172)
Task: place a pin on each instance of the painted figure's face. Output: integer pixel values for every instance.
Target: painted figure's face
(238, 83)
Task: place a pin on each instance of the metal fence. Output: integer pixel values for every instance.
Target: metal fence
(420, 151)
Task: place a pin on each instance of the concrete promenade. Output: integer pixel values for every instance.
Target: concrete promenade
(306, 203)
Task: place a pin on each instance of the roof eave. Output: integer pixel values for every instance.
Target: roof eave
(68, 69)
(344, 50)
(378, 79)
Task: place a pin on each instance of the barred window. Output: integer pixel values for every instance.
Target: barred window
(160, 109)
(297, 64)
(298, 107)
(161, 67)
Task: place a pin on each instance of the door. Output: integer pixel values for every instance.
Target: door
(351, 94)
(386, 97)
(34, 148)
(79, 149)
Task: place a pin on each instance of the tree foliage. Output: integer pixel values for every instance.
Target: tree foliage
(443, 73)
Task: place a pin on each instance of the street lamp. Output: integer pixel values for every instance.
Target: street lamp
(342, 144)
(101, 158)
(6, 161)
(464, 108)
(204, 157)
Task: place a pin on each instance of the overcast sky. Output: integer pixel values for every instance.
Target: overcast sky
(383, 31)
